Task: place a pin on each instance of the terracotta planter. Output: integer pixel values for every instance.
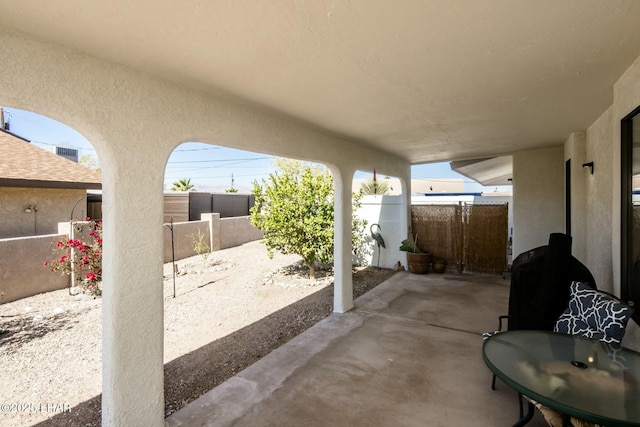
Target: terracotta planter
(418, 262)
(439, 267)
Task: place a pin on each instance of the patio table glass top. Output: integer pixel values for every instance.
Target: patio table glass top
(578, 376)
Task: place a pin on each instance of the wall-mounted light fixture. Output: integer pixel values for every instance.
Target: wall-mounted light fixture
(588, 165)
(33, 209)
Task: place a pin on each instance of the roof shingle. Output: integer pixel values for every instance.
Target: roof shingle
(25, 165)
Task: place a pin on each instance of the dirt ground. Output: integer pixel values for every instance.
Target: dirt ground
(229, 310)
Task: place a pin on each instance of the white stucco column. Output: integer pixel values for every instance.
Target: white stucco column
(132, 302)
(538, 197)
(343, 283)
(405, 211)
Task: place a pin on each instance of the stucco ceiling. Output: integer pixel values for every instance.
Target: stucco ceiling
(429, 80)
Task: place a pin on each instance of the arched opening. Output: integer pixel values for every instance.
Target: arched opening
(50, 321)
(236, 304)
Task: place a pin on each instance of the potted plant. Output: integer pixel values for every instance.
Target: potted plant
(417, 261)
(439, 266)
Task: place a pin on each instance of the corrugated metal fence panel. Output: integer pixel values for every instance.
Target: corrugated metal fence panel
(486, 238)
(189, 206)
(199, 203)
(176, 206)
(232, 205)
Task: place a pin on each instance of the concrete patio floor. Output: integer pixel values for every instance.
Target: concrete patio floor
(409, 354)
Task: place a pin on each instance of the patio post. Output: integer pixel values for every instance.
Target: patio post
(343, 284)
(405, 205)
(132, 302)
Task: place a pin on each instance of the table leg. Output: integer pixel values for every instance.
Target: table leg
(520, 402)
(528, 416)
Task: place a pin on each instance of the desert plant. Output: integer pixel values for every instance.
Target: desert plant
(200, 246)
(410, 245)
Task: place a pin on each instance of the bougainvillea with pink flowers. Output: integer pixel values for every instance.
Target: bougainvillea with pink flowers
(82, 255)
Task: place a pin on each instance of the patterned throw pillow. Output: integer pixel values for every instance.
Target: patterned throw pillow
(594, 315)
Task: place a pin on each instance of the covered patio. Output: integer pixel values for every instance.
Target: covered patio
(408, 354)
(359, 85)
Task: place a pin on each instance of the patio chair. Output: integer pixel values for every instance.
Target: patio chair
(539, 292)
(540, 281)
(593, 314)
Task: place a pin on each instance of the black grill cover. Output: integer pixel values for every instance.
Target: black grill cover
(540, 281)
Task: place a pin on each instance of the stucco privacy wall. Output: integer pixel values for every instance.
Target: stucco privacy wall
(185, 235)
(237, 230)
(54, 206)
(134, 122)
(538, 197)
(22, 273)
(224, 232)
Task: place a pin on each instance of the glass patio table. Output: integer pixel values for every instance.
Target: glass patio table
(577, 376)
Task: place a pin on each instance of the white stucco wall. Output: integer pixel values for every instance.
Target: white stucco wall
(626, 97)
(538, 197)
(385, 211)
(575, 150)
(596, 199)
(598, 202)
(600, 194)
(134, 121)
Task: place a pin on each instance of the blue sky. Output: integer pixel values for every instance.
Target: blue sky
(210, 168)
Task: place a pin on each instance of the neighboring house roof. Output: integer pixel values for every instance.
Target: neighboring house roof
(418, 186)
(25, 165)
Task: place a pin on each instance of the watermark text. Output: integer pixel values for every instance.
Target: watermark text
(32, 407)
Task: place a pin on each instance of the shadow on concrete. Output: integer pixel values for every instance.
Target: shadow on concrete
(189, 376)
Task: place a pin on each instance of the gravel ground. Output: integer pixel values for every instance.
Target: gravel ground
(230, 310)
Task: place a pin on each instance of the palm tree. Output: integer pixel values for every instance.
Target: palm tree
(371, 187)
(183, 185)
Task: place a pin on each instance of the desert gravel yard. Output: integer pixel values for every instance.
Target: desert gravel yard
(229, 311)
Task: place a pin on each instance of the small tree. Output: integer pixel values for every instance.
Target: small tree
(183, 185)
(89, 161)
(294, 209)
